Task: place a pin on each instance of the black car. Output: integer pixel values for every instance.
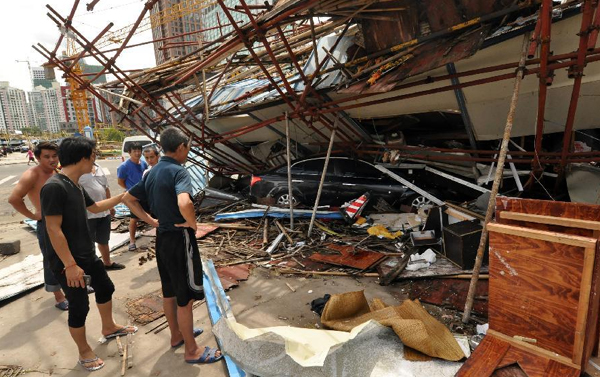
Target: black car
(346, 179)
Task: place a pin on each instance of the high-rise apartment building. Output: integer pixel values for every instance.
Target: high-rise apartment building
(213, 17)
(38, 78)
(36, 103)
(187, 23)
(47, 107)
(70, 119)
(15, 108)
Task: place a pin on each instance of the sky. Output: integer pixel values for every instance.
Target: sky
(25, 23)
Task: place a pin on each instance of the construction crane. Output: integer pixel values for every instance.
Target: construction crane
(78, 96)
(175, 12)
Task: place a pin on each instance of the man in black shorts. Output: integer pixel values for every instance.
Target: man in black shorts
(70, 248)
(168, 188)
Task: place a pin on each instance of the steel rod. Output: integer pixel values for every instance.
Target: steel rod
(498, 178)
(323, 174)
(289, 170)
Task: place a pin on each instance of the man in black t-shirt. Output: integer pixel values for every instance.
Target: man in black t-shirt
(71, 252)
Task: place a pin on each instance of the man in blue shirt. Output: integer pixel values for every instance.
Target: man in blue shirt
(129, 173)
(167, 188)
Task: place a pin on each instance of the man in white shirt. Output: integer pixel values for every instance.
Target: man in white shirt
(96, 185)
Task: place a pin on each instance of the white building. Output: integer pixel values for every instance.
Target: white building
(53, 107)
(48, 107)
(15, 108)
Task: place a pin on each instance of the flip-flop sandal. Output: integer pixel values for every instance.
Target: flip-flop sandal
(63, 305)
(207, 357)
(88, 361)
(122, 332)
(197, 332)
(114, 266)
(132, 247)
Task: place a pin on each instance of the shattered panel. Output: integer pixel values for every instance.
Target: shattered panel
(380, 34)
(349, 257)
(451, 293)
(146, 308)
(441, 14)
(231, 275)
(425, 58)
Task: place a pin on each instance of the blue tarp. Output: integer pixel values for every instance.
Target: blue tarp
(214, 312)
(278, 213)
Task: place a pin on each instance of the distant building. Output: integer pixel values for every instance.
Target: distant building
(38, 77)
(36, 104)
(213, 17)
(15, 109)
(89, 68)
(180, 25)
(70, 119)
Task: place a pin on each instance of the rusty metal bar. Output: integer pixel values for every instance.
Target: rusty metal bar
(577, 73)
(498, 178)
(545, 30)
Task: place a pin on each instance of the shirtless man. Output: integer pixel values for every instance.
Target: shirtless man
(29, 185)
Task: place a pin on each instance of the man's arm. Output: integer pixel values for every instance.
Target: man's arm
(108, 196)
(186, 208)
(105, 204)
(16, 198)
(122, 175)
(134, 206)
(73, 272)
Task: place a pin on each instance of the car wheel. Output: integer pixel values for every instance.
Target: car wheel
(420, 201)
(283, 200)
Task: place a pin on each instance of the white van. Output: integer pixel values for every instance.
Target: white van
(128, 141)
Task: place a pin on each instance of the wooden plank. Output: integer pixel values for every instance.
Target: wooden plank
(532, 365)
(584, 301)
(532, 349)
(510, 315)
(580, 211)
(543, 219)
(592, 332)
(485, 358)
(566, 239)
(555, 209)
(535, 288)
(556, 369)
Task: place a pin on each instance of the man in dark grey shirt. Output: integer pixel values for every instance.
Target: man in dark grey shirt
(70, 249)
(167, 189)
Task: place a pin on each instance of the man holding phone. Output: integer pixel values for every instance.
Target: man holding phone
(71, 251)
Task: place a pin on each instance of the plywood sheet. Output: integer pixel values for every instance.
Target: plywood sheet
(548, 208)
(348, 256)
(534, 290)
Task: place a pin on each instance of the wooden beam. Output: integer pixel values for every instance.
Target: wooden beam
(566, 239)
(533, 349)
(583, 306)
(551, 220)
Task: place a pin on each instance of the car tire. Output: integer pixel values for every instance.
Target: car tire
(282, 200)
(418, 201)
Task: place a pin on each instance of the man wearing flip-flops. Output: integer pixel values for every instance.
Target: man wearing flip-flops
(167, 188)
(29, 185)
(71, 252)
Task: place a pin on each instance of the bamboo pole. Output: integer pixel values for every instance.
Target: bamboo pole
(314, 213)
(497, 179)
(289, 170)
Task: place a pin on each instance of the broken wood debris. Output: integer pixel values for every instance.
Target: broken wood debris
(335, 248)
